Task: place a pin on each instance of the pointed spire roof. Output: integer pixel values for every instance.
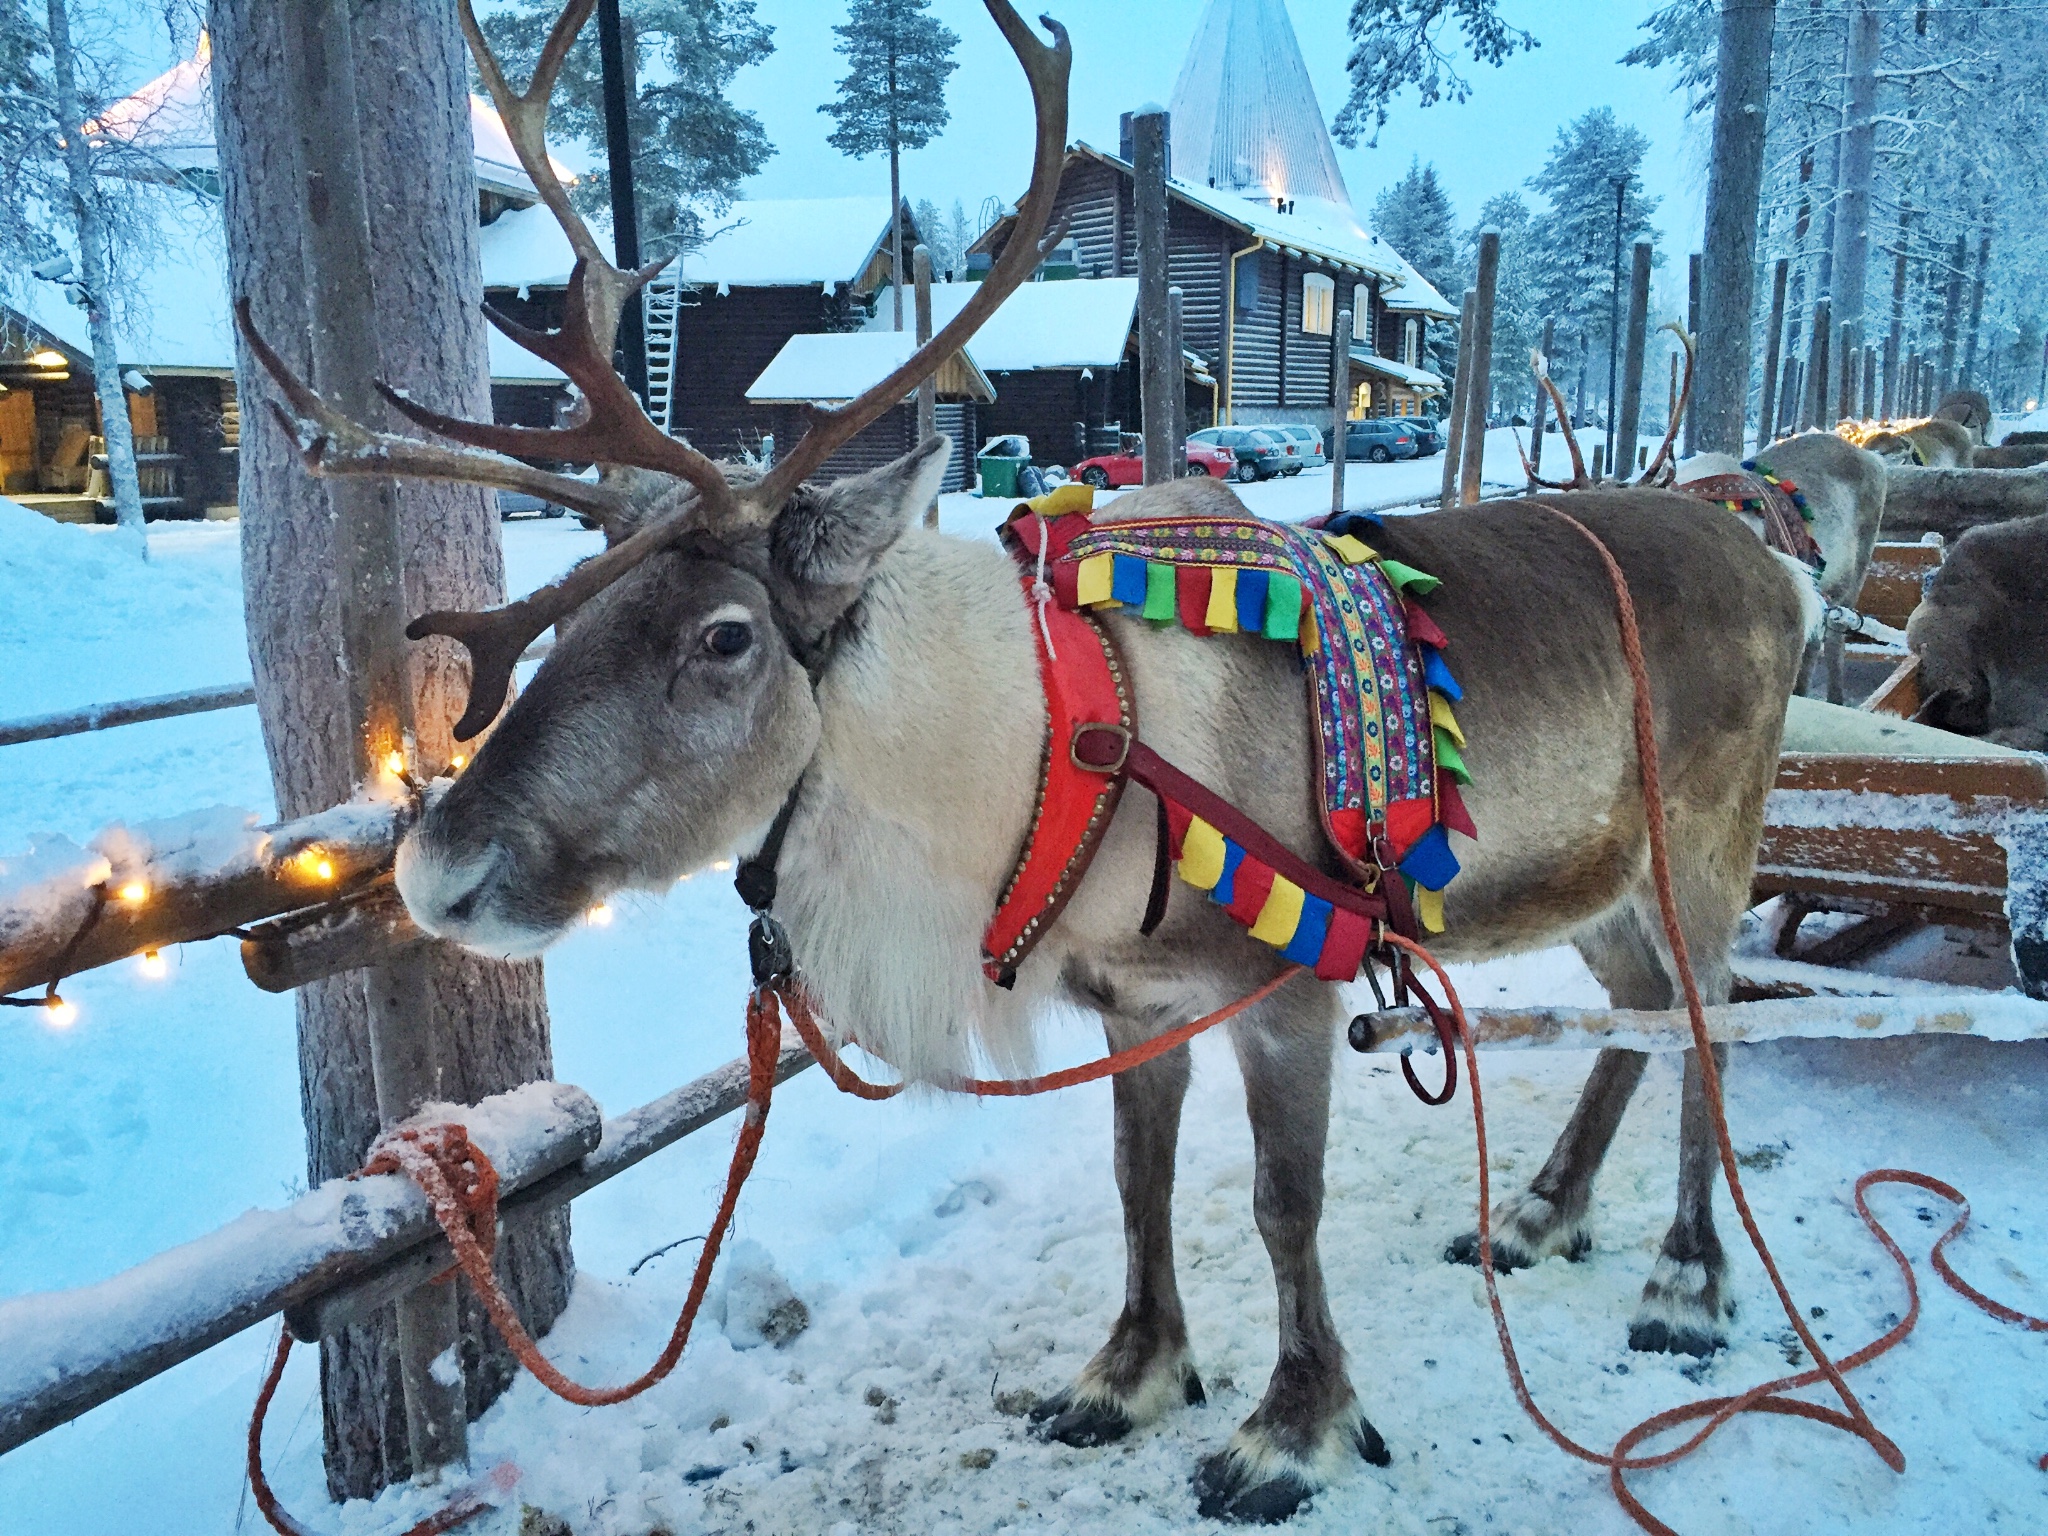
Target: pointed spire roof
(1245, 118)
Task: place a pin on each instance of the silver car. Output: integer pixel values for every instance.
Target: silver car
(1307, 443)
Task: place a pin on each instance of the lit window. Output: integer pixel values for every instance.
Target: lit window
(1411, 344)
(1318, 303)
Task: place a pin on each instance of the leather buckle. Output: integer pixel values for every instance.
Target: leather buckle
(1119, 734)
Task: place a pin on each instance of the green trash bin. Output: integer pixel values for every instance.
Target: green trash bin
(999, 474)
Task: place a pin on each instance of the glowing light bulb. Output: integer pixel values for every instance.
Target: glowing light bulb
(135, 892)
(457, 763)
(721, 865)
(153, 964)
(62, 1014)
(394, 763)
(315, 865)
(324, 869)
(600, 915)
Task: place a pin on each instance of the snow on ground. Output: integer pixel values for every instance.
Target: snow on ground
(954, 1253)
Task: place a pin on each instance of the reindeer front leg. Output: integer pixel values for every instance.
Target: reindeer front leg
(1145, 1368)
(1308, 1427)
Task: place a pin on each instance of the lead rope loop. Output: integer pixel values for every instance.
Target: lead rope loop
(1041, 589)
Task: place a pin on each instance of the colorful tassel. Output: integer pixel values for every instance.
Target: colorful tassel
(1440, 716)
(1447, 757)
(1222, 615)
(1249, 887)
(1407, 820)
(1225, 889)
(1429, 907)
(1354, 551)
(1281, 914)
(1438, 676)
(1191, 584)
(1159, 592)
(1128, 581)
(1283, 607)
(1094, 586)
(1251, 601)
(1305, 947)
(1450, 806)
(1420, 625)
(1430, 863)
(1406, 578)
(1201, 855)
(1344, 948)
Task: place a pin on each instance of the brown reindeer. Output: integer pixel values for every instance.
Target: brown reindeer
(750, 641)
(1982, 636)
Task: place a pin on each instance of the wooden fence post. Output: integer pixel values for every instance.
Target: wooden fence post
(928, 391)
(1340, 404)
(1767, 404)
(1176, 343)
(370, 584)
(1461, 388)
(1630, 425)
(1472, 451)
(1158, 371)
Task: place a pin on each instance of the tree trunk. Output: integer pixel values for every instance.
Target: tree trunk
(118, 431)
(1969, 378)
(1815, 403)
(1624, 452)
(422, 200)
(1950, 502)
(1859, 144)
(1951, 317)
(1767, 404)
(1734, 179)
(1896, 340)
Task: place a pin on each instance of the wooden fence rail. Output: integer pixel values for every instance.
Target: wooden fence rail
(353, 1245)
(101, 717)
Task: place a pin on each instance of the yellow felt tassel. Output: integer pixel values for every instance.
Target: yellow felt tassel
(1355, 551)
(1429, 906)
(1310, 637)
(1221, 618)
(1281, 914)
(1074, 496)
(1440, 714)
(1201, 855)
(1092, 584)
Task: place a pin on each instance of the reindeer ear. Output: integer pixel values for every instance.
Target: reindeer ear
(834, 536)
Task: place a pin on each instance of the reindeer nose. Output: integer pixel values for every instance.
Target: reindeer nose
(443, 895)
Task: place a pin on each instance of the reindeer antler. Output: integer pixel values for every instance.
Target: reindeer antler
(1657, 465)
(1580, 480)
(614, 429)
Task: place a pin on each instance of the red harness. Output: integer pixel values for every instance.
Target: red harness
(1091, 748)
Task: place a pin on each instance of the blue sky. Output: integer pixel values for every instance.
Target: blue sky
(1127, 52)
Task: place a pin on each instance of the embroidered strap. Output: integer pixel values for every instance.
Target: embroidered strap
(1776, 501)
(1092, 724)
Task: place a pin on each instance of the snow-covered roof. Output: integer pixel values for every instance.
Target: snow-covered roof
(1415, 378)
(169, 122)
(175, 315)
(1082, 323)
(838, 365)
(525, 248)
(1244, 115)
(1415, 294)
(778, 242)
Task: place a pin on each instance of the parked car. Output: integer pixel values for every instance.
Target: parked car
(1307, 443)
(1381, 439)
(513, 504)
(1429, 434)
(1108, 470)
(1257, 453)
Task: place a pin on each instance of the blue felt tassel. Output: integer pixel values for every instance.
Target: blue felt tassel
(1430, 862)
(1251, 601)
(1438, 675)
(1306, 947)
(1358, 524)
(1127, 580)
(1225, 889)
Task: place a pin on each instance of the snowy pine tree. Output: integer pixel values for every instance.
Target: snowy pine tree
(1573, 267)
(893, 96)
(1517, 311)
(1398, 43)
(691, 147)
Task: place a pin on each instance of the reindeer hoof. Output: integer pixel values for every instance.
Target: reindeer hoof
(1080, 1424)
(1508, 1254)
(1223, 1491)
(1657, 1337)
(1372, 1445)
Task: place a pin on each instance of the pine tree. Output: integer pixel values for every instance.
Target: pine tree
(691, 147)
(1573, 266)
(1414, 217)
(893, 96)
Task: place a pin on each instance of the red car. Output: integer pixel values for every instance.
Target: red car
(1108, 470)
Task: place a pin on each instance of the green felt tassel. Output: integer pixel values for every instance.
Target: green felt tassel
(1447, 757)
(1159, 599)
(1406, 577)
(1283, 607)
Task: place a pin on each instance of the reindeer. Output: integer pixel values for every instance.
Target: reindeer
(1982, 636)
(755, 650)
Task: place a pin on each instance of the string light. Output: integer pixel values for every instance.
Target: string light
(63, 1014)
(135, 893)
(394, 763)
(600, 915)
(315, 865)
(153, 964)
(457, 763)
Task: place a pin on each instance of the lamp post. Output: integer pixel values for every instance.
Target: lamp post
(1614, 307)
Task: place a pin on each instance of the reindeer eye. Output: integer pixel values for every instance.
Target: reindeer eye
(729, 638)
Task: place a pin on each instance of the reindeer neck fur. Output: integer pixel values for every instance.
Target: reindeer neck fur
(915, 806)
